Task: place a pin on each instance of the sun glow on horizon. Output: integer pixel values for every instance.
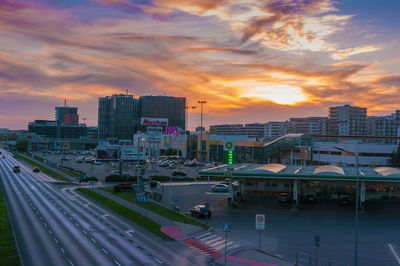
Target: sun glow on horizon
(280, 94)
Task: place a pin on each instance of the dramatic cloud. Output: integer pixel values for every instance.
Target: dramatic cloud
(247, 58)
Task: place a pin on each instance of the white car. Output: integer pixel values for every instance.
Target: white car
(219, 188)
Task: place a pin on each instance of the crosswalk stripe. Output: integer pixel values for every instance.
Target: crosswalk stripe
(207, 238)
(219, 246)
(212, 240)
(203, 235)
(218, 243)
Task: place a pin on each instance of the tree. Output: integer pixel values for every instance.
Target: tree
(395, 158)
(22, 145)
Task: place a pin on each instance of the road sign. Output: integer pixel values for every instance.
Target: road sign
(226, 228)
(98, 182)
(260, 221)
(142, 198)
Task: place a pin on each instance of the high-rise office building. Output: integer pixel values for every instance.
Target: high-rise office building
(67, 115)
(169, 107)
(118, 116)
(347, 120)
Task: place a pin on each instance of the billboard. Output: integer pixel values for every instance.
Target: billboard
(172, 131)
(130, 153)
(107, 153)
(154, 134)
(154, 121)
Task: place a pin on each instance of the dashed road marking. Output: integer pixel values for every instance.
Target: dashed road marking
(84, 232)
(70, 262)
(55, 240)
(394, 253)
(159, 261)
(62, 250)
(94, 241)
(116, 262)
(105, 251)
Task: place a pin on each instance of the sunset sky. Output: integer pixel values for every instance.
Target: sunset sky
(251, 60)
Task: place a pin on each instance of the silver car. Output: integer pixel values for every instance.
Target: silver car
(219, 188)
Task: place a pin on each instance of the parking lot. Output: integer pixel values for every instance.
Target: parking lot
(288, 231)
(106, 168)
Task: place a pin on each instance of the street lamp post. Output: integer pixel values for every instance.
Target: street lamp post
(187, 107)
(356, 218)
(201, 130)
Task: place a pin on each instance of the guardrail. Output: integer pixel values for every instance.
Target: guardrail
(305, 259)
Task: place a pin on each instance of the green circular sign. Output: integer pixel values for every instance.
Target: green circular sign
(229, 145)
(228, 174)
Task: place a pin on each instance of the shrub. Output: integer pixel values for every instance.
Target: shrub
(117, 178)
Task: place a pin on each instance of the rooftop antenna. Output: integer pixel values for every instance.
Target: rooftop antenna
(127, 92)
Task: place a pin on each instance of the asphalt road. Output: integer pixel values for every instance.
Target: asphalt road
(289, 231)
(55, 226)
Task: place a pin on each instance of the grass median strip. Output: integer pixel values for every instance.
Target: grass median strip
(154, 207)
(135, 217)
(8, 250)
(42, 168)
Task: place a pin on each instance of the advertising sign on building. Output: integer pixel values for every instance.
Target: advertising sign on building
(154, 121)
(229, 146)
(107, 153)
(65, 145)
(172, 131)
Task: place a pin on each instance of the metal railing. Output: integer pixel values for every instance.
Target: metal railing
(304, 259)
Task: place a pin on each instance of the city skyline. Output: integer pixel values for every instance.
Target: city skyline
(253, 61)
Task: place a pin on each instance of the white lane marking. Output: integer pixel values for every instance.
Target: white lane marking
(55, 240)
(105, 251)
(77, 225)
(65, 213)
(394, 253)
(105, 216)
(159, 261)
(130, 232)
(41, 218)
(50, 232)
(70, 262)
(84, 232)
(45, 224)
(70, 218)
(62, 250)
(94, 241)
(116, 262)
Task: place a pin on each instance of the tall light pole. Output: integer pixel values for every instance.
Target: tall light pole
(356, 221)
(201, 131)
(187, 107)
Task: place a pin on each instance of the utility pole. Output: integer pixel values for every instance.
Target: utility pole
(187, 107)
(201, 131)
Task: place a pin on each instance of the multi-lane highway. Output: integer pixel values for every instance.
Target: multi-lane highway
(54, 226)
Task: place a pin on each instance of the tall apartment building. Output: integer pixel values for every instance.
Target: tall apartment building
(275, 130)
(347, 120)
(118, 116)
(256, 130)
(67, 115)
(169, 107)
(307, 125)
(388, 126)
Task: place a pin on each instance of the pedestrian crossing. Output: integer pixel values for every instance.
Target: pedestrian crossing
(216, 242)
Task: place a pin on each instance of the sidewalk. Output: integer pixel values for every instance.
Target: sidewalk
(252, 257)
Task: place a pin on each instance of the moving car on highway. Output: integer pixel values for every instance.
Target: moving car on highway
(36, 169)
(16, 169)
(178, 173)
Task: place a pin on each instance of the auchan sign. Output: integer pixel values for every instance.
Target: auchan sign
(154, 121)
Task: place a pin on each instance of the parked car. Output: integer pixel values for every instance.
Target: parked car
(79, 161)
(16, 169)
(116, 172)
(97, 162)
(200, 211)
(3, 156)
(344, 200)
(284, 197)
(36, 169)
(309, 198)
(178, 173)
(172, 166)
(219, 188)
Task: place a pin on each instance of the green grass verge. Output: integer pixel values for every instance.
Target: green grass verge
(154, 207)
(135, 217)
(42, 168)
(8, 250)
(71, 173)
